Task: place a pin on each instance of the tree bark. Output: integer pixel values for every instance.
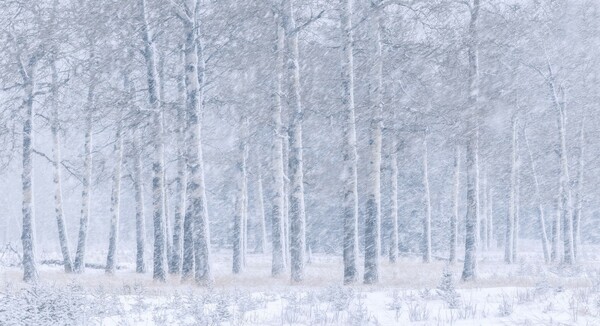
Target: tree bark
(158, 217)
(111, 259)
(296, 175)
(455, 215)
(510, 218)
(470, 264)
(394, 200)
(79, 265)
(577, 212)
(140, 219)
(30, 273)
(240, 202)
(373, 216)
(427, 219)
(278, 199)
(56, 164)
(350, 156)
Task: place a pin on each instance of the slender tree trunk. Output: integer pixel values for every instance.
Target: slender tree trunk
(180, 181)
(564, 188)
(510, 221)
(484, 212)
(540, 208)
(261, 242)
(111, 259)
(140, 219)
(394, 202)
(555, 254)
(373, 216)
(56, 163)
(515, 246)
(470, 265)
(578, 193)
(490, 218)
(240, 205)
(455, 216)
(350, 204)
(30, 273)
(79, 265)
(427, 219)
(278, 199)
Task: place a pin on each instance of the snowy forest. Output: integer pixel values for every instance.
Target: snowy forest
(299, 162)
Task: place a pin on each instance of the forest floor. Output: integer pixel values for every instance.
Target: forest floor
(528, 292)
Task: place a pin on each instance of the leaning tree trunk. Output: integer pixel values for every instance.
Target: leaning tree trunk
(140, 219)
(470, 264)
(297, 214)
(115, 203)
(510, 218)
(427, 219)
(540, 208)
(30, 273)
(350, 203)
(373, 217)
(56, 163)
(454, 216)
(564, 194)
(159, 259)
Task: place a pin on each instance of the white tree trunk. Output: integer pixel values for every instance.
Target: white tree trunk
(278, 199)
(578, 193)
(350, 203)
(394, 200)
(510, 218)
(564, 180)
(239, 224)
(490, 218)
(373, 216)
(261, 243)
(140, 219)
(455, 217)
(484, 212)
(470, 265)
(297, 218)
(30, 273)
(180, 181)
(79, 265)
(158, 217)
(427, 220)
(197, 209)
(111, 257)
(56, 164)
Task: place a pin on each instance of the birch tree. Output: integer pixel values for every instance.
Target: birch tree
(373, 216)
(278, 234)
(350, 203)
(296, 175)
(469, 269)
(159, 259)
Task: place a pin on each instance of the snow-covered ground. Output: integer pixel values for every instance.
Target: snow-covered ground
(525, 293)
